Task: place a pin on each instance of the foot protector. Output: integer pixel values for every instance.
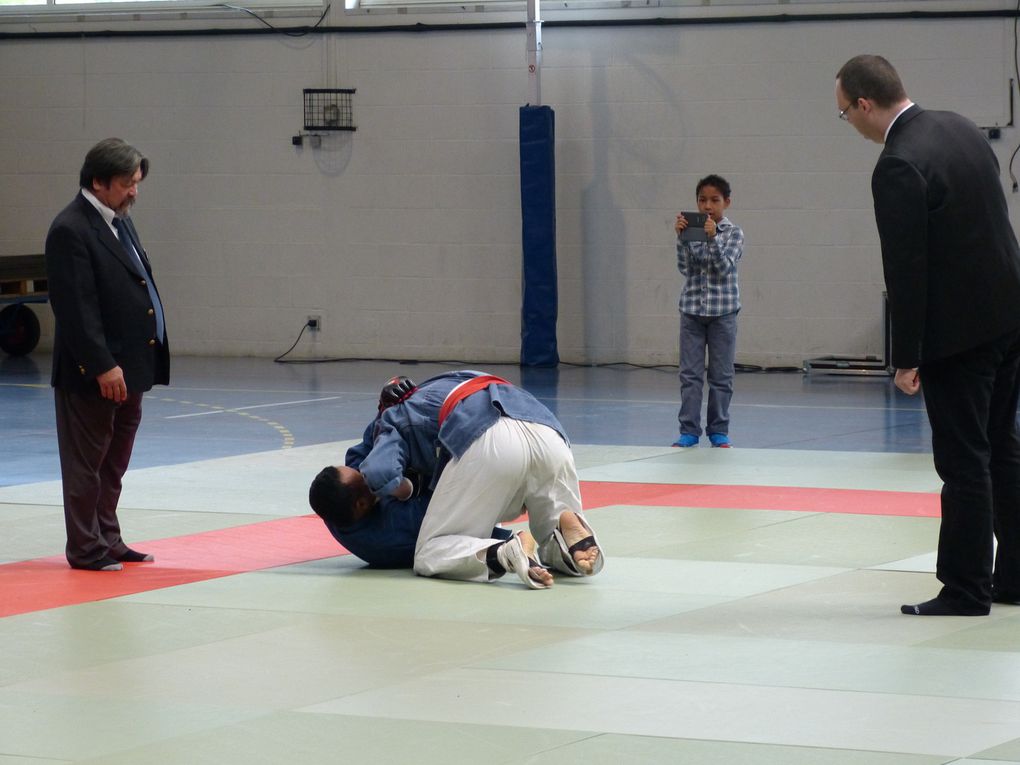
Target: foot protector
(588, 542)
(513, 557)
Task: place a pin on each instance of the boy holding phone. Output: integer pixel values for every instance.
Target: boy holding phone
(709, 304)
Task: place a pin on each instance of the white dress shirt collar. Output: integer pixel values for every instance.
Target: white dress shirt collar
(107, 213)
(898, 114)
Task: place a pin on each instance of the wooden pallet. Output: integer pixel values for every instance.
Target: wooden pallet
(23, 287)
(23, 276)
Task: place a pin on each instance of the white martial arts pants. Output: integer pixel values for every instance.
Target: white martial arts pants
(511, 466)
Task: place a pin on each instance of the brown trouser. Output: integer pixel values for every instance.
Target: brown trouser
(95, 437)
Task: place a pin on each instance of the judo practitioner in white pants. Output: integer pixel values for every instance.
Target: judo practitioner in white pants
(492, 451)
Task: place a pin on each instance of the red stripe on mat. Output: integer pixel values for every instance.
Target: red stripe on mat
(851, 501)
(36, 585)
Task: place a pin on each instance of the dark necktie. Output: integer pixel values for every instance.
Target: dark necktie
(128, 243)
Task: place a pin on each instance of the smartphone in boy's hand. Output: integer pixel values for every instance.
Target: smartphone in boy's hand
(695, 231)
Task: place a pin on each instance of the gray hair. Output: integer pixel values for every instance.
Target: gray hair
(109, 159)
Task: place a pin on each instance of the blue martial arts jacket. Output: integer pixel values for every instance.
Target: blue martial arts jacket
(408, 437)
(386, 538)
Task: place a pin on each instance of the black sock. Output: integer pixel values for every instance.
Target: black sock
(939, 607)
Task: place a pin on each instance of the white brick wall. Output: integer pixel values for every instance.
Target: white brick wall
(405, 235)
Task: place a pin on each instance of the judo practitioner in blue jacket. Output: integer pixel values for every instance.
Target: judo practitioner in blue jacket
(489, 450)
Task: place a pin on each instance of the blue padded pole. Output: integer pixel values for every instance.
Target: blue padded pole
(538, 216)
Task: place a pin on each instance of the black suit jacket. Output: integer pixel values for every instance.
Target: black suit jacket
(104, 315)
(951, 261)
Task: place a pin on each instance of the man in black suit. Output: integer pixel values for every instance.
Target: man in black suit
(952, 272)
(110, 347)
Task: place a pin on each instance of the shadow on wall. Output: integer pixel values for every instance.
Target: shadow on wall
(334, 152)
(604, 263)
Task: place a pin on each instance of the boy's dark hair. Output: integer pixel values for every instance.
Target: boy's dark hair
(715, 181)
(331, 499)
(871, 77)
(109, 159)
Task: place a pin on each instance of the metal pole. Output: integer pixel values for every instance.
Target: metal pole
(534, 32)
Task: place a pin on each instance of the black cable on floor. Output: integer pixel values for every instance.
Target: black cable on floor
(670, 368)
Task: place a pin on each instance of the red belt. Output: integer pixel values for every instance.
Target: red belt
(465, 389)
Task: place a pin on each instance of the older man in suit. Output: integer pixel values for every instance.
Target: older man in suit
(952, 272)
(110, 347)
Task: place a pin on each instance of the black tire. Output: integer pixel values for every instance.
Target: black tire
(19, 330)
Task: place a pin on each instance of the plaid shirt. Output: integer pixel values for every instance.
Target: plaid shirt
(710, 268)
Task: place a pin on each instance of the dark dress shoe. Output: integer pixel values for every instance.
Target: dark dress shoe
(133, 556)
(106, 563)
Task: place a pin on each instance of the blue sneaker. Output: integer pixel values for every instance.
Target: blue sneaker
(686, 441)
(720, 440)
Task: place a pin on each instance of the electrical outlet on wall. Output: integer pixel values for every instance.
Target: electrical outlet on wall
(314, 322)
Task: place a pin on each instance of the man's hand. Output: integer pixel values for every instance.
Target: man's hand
(411, 485)
(112, 385)
(681, 223)
(908, 381)
(709, 227)
(395, 390)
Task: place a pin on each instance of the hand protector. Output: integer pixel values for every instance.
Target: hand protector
(395, 390)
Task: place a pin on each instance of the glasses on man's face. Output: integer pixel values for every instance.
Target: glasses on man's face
(843, 114)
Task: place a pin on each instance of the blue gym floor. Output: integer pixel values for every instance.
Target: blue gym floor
(219, 407)
(753, 634)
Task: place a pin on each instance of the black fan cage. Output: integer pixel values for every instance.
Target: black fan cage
(329, 109)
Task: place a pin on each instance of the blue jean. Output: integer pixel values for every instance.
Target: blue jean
(717, 335)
